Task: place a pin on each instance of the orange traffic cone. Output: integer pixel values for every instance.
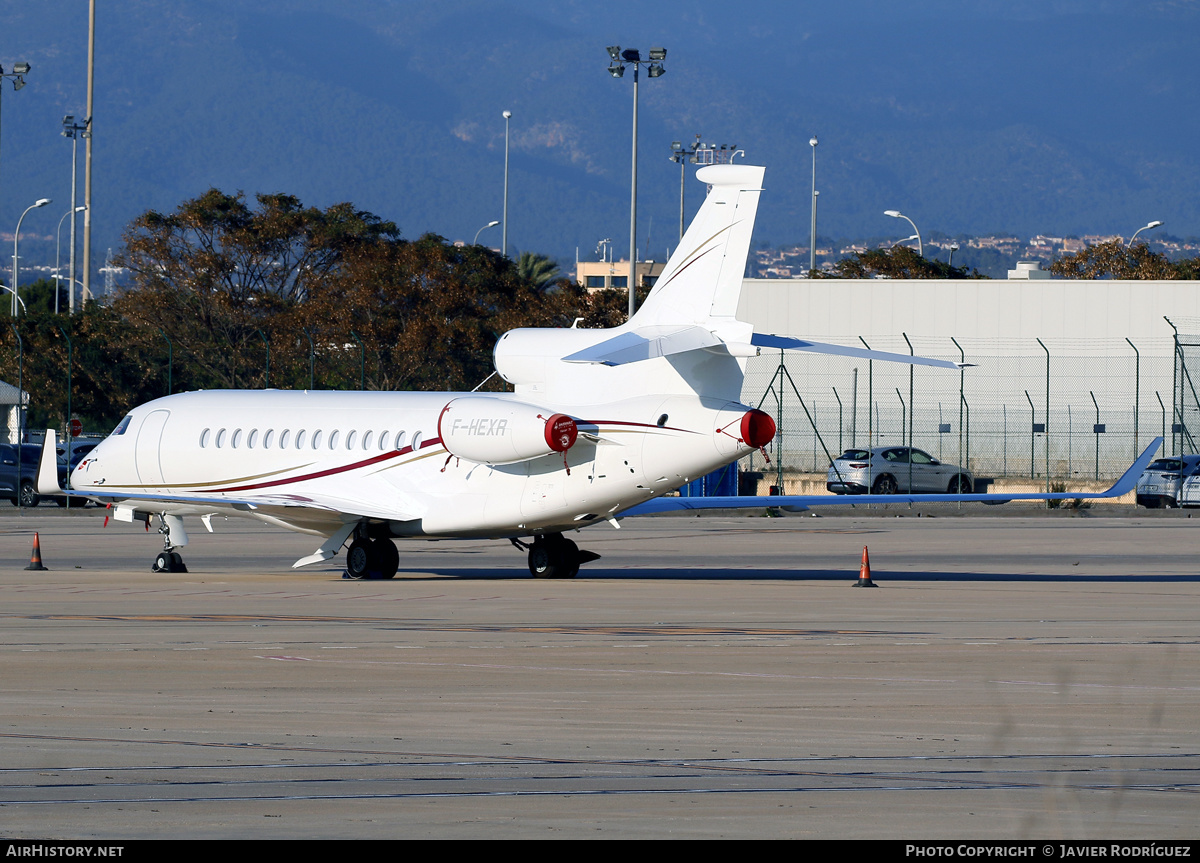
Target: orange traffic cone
(35, 560)
(864, 572)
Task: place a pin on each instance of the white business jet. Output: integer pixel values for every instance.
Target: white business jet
(601, 423)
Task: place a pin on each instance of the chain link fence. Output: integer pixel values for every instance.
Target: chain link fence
(1050, 410)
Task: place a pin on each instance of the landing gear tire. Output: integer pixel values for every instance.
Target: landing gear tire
(168, 561)
(554, 556)
(358, 560)
(886, 484)
(372, 558)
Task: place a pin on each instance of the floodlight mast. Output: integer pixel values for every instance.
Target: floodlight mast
(654, 69)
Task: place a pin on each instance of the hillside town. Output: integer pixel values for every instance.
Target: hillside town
(990, 255)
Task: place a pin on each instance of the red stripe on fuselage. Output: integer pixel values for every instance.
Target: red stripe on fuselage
(331, 471)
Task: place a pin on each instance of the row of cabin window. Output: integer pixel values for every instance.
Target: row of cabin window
(285, 439)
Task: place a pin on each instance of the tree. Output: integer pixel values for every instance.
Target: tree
(898, 262)
(1112, 260)
(539, 270)
(214, 276)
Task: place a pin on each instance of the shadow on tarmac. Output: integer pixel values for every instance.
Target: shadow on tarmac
(878, 576)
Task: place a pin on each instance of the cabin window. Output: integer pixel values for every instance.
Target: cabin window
(283, 438)
(366, 440)
(220, 438)
(416, 441)
(252, 439)
(399, 440)
(350, 440)
(316, 439)
(300, 439)
(267, 438)
(237, 439)
(383, 440)
(204, 437)
(333, 439)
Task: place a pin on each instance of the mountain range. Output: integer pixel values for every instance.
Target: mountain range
(1022, 117)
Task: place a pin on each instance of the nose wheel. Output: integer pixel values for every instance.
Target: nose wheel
(168, 561)
(371, 558)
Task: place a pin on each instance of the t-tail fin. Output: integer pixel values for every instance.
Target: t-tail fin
(703, 278)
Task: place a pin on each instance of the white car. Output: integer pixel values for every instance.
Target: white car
(1158, 486)
(887, 470)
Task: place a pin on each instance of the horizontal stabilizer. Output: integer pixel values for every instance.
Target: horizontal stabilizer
(645, 343)
(1123, 486)
(788, 343)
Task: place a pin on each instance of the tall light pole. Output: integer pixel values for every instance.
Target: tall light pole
(507, 115)
(896, 214)
(17, 76)
(1154, 224)
(87, 156)
(73, 130)
(953, 248)
(812, 245)
(654, 69)
(57, 246)
(41, 202)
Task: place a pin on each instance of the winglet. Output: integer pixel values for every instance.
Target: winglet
(1128, 480)
(47, 475)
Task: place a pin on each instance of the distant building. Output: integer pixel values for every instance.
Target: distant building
(598, 275)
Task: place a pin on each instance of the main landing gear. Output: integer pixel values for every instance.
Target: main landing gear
(168, 559)
(552, 555)
(371, 558)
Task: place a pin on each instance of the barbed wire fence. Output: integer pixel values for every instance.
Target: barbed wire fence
(1050, 410)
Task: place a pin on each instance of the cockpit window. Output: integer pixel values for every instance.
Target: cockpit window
(124, 424)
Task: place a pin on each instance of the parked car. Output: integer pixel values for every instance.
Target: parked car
(886, 470)
(31, 455)
(79, 449)
(1158, 486)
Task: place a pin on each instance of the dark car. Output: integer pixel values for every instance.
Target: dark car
(31, 455)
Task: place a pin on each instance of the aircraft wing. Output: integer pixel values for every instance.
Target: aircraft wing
(764, 340)
(1124, 485)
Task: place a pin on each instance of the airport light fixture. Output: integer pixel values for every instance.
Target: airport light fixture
(1157, 223)
(74, 131)
(896, 214)
(507, 115)
(17, 76)
(812, 244)
(41, 202)
(698, 153)
(618, 59)
(954, 247)
(493, 223)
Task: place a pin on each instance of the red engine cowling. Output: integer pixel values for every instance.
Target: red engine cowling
(498, 431)
(758, 429)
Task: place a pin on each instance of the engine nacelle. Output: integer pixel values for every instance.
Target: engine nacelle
(497, 431)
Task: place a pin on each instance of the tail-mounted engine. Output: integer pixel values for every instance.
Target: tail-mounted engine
(497, 431)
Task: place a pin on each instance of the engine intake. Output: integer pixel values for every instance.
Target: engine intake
(498, 431)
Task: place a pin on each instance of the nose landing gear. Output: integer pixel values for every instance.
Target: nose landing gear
(168, 560)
